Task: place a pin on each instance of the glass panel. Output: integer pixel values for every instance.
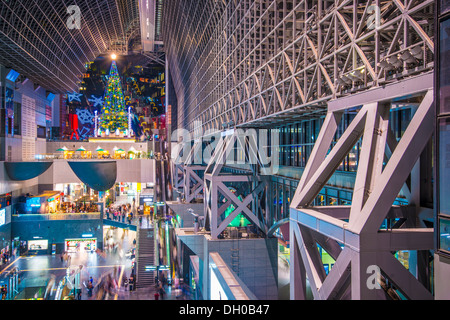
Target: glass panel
(444, 68)
(445, 6)
(444, 234)
(444, 166)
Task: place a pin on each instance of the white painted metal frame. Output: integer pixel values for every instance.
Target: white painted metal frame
(358, 228)
(260, 62)
(193, 183)
(177, 168)
(215, 186)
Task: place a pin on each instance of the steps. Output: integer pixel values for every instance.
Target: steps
(145, 256)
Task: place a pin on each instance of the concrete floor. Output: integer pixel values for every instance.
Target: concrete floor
(35, 271)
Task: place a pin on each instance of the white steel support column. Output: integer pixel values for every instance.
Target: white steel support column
(177, 167)
(252, 187)
(365, 264)
(193, 173)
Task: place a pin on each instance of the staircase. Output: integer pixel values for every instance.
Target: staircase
(235, 252)
(145, 256)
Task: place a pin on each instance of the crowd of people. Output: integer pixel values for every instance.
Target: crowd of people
(120, 212)
(109, 285)
(79, 207)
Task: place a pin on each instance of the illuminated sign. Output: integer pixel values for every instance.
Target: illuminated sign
(53, 198)
(2, 216)
(5, 200)
(34, 202)
(38, 244)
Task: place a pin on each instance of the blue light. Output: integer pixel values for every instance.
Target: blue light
(33, 202)
(12, 75)
(50, 97)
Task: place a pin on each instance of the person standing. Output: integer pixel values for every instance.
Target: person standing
(161, 290)
(131, 282)
(90, 286)
(78, 289)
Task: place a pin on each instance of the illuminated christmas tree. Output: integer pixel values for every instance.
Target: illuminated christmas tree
(114, 117)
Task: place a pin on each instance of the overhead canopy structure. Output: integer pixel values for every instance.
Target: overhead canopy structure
(21, 171)
(100, 176)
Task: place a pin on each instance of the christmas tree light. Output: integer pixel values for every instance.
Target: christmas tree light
(114, 114)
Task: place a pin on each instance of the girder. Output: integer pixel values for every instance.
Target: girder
(251, 62)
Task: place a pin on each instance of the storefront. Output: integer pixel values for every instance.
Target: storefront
(35, 246)
(78, 197)
(53, 203)
(47, 202)
(71, 191)
(129, 189)
(38, 245)
(80, 245)
(119, 153)
(146, 203)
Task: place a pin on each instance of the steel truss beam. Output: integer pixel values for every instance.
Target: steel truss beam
(177, 167)
(251, 187)
(256, 62)
(357, 227)
(193, 173)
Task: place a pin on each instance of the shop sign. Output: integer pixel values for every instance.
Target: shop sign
(2, 216)
(5, 200)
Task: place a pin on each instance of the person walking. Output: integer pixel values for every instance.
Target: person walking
(125, 281)
(161, 290)
(90, 286)
(78, 289)
(132, 284)
(4, 291)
